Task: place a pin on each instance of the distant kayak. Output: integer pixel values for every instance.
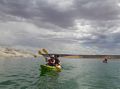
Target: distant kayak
(48, 68)
(104, 61)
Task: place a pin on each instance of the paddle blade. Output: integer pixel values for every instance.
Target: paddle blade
(45, 51)
(39, 52)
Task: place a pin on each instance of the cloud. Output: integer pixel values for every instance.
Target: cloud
(97, 9)
(59, 24)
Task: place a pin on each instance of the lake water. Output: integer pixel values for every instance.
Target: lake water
(18, 73)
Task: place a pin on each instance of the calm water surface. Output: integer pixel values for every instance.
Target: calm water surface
(18, 73)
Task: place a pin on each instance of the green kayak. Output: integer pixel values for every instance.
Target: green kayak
(48, 68)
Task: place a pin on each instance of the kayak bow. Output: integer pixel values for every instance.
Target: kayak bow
(47, 68)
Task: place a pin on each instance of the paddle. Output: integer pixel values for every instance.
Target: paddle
(45, 51)
(41, 53)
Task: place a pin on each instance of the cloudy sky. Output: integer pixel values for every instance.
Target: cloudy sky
(61, 26)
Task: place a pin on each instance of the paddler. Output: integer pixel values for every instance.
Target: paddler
(51, 61)
(57, 61)
(105, 60)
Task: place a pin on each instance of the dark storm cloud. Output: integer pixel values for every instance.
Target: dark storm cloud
(46, 12)
(16, 8)
(103, 41)
(40, 11)
(97, 9)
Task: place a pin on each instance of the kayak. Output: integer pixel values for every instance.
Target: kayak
(104, 61)
(48, 68)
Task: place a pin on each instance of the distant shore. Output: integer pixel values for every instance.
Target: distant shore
(10, 52)
(87, 56)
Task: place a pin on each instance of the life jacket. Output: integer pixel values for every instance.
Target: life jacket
(51, 62)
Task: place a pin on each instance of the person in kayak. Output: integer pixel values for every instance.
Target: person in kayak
(105, 60)
(51, 61)
(57, 61)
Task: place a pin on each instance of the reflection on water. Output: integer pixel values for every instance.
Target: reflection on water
(20, 73)
(47, 82)
(54, 81)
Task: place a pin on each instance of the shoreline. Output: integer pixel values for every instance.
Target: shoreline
(11, 52)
